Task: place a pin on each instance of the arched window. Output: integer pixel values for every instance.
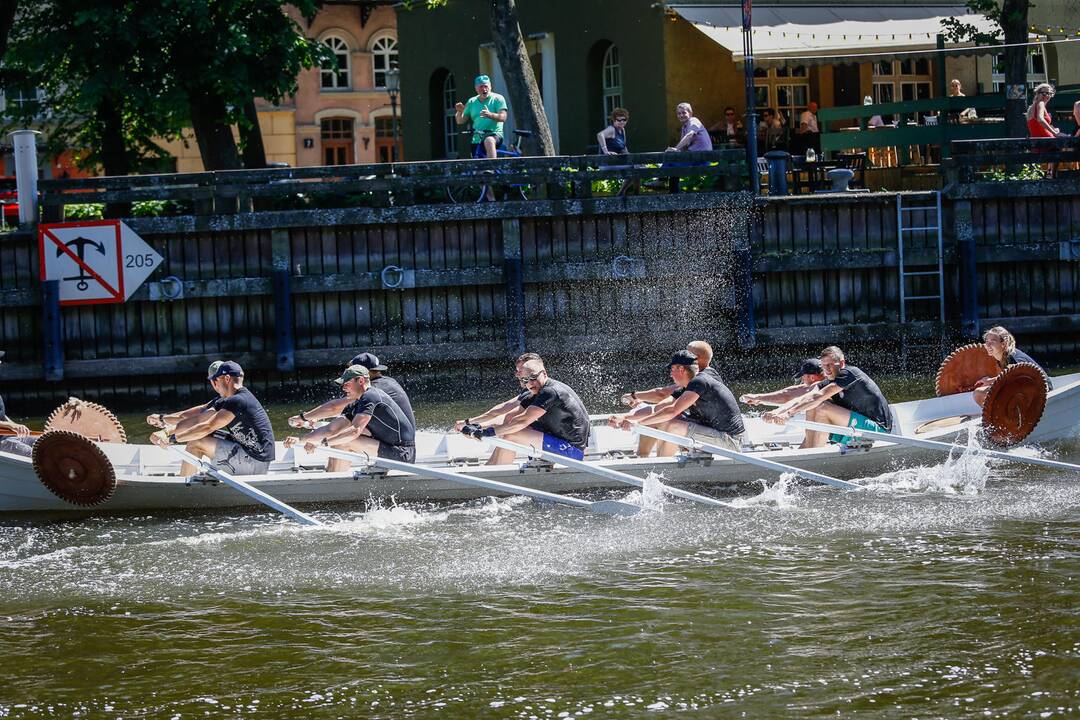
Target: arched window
(449, 99)
(611, 80)
(335, 76)
(383, 57)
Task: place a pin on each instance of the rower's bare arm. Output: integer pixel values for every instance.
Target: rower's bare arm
(203, 425)
(806, 402)
(315, 438)
(662, 414)
(329, 409)
(653, 395)
(520, 421)
(17, 428)
(172, 420)
(778, 397)
(489, 415)
(350, 432)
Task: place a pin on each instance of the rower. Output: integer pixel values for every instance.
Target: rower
(390, 435)
(1001, 345)
(21, 443)
(232, 430)
(496, 412)
(808, 374)
(847, 396)
(642, 400)
(702, 408)
(333, 408)
(548, 414)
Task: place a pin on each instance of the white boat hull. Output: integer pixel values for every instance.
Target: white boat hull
(147, 475)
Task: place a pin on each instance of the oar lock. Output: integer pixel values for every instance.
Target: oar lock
(535, 465)
(694, 457)
(856, 444)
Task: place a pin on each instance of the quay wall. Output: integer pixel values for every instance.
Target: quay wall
(598, 283)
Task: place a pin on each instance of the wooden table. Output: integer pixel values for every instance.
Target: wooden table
(808, 176)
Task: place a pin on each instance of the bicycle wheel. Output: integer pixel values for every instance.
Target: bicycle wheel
(464, 193)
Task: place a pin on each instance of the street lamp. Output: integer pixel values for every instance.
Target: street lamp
(393, 86)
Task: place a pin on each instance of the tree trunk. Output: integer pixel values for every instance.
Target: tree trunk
(1014, 22)
(525, 98)
(251, 140)
(115, 159)
(217, 147)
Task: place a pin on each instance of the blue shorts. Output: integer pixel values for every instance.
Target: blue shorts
(561, 447)
(857, 421)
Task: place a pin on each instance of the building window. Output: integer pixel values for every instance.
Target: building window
(386, 149)
(612, 80)
(787, 88)
(449, 98)
(901, 81)
(384, 55)
(335, 76)
(337, 141)
(23, 99)
(1036, 69)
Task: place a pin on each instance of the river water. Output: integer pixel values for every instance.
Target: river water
(948, 591)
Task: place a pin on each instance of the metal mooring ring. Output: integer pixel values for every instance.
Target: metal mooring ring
(390, 270)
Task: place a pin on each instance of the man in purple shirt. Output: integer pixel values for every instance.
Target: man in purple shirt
(693, 137)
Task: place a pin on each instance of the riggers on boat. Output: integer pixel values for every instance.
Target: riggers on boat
(113, 476)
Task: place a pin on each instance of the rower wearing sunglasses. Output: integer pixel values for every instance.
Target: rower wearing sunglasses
(547, 414)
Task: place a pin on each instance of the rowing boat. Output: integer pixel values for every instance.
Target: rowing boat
(146, 476)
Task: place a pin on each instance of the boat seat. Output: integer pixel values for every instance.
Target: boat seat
(459, 447)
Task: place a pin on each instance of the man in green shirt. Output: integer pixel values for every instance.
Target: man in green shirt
(486, 111)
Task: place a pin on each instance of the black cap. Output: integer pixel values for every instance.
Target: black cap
(810, 366)
(228, 368)
(683, 357)
(369, 361)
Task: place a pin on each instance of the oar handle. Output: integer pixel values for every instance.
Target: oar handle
(245, 488)
(743, 457)
(8, 432)
(595, 469)
(930, 444)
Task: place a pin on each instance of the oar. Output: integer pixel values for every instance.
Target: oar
(237, 484)
(8, 432)
(930, 444)
(743, 457)
(601, 471)
(608, 507)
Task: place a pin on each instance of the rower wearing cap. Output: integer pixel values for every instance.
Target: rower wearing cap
(702, 409)
(390, 434)
(847, 396)
(643, 401)
(183, 418)
(232, 430)
(547, 414)
(21, 443)
(808, 374)
(332, 408)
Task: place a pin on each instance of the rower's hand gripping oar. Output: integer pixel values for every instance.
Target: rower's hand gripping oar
(608, 507)
(250, 491)
(594, 469)
(930, 444)
(742, 457)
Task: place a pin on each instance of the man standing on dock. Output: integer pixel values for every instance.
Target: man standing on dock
(20, 442)
(233, 430)
(847, 396)
(703, 408)
(371, 423)
(547, 414)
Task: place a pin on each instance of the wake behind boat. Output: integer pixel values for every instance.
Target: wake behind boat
(146, 477)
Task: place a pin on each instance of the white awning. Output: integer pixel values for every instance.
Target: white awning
(817, 34)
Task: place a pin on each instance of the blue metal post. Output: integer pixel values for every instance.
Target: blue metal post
(53, 330)
(513, 287)
(778, 165)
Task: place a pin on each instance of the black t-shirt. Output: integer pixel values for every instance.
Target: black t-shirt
(860, 394)
(716, 406)
(707, 371)
(565, 416)
(251, 425)
(393, 388)
(1013, 358)
(388, 423)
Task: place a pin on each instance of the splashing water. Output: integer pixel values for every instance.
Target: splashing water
(781, 494)
(651, 495)
(962, 473)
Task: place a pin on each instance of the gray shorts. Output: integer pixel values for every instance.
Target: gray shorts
(231, 457)
(712, 436)
(17, 445)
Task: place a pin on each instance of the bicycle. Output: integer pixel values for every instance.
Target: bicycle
(485, 179)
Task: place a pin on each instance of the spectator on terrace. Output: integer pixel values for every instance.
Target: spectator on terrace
(772, 131)
(957, 90)
(612, 141)
(730, 130)
(693, 137)
(808, 133)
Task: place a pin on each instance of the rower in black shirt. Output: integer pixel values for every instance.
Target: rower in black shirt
(847, 397)
(233, 430)
(389, 435)
(547, 414)
(1001, 345)
(703, 408)
(19, 441)
(333, 408)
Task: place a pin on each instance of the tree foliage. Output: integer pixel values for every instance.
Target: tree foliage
(116, 74)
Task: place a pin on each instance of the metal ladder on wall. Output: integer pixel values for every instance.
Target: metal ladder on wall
(903, 229)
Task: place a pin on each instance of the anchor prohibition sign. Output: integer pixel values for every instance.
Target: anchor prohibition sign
(100, 261)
